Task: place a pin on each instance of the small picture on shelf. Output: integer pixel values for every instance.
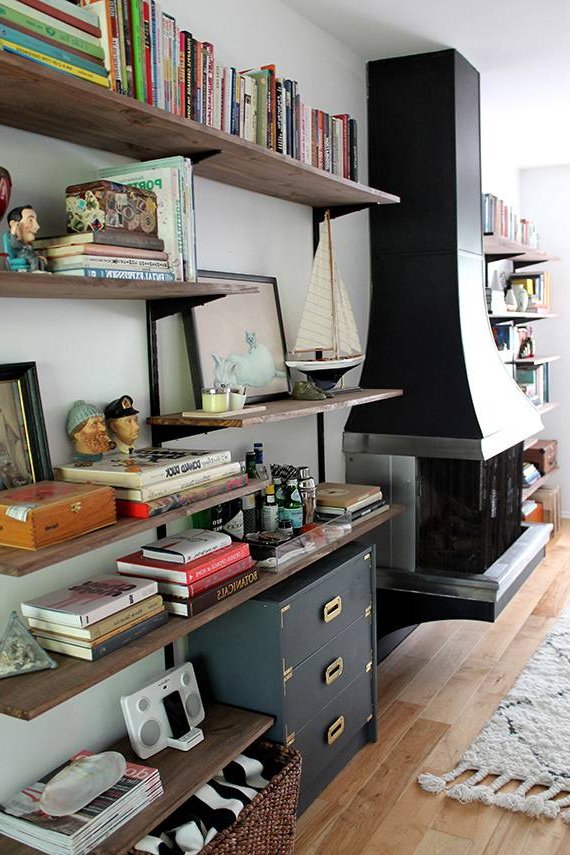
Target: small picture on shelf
(24, 451)
(239, 341)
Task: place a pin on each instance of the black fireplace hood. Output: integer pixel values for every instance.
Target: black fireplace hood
(429, 332)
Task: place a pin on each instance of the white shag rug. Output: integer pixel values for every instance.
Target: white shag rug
(527, 740)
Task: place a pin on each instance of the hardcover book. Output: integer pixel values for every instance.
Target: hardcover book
(212, 580)
(114, 623)
(143, 467)
(195, 605)
(136, 564)
(184, 548)
(87, 602)
(154, 507)
(96, 650)
(346, 496)
(117, 237)
(190, 479)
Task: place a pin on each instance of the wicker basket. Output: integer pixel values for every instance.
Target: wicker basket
(266, 826)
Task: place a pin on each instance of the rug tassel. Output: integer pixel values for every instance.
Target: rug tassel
(437, 784)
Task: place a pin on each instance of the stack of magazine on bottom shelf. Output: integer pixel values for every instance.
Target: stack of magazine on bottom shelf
(80, 832)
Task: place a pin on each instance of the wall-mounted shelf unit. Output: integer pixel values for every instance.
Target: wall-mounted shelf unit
(528, 491)
(520, 317)
(30, 695)
(496, 248)
(227, 732)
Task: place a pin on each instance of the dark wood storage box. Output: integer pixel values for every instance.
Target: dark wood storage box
(543, 453)
(53, 511)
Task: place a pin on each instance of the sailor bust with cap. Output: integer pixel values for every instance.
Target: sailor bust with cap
(85, 426)
(123, 422)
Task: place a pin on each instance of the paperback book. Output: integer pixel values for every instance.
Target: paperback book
(212, 580)
(95, 631)
(143, 467)
(84, 603)
(184, 548)
(136, 564)
(190, 479)
(155, 507)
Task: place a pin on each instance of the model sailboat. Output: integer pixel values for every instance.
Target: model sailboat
(327, 328)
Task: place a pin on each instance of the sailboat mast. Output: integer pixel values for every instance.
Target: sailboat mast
(331, 263)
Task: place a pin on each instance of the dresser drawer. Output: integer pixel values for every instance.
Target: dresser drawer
(326, 673)
(333, 727)
(312, 616)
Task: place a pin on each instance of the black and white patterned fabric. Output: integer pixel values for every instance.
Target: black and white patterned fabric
(213, 807)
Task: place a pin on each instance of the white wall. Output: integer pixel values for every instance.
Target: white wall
(97, 350)
(544, 198)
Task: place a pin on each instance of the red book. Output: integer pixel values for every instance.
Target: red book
(154, 507)
(185, 592)
(185, 574)
(213, 596)
(65, 16)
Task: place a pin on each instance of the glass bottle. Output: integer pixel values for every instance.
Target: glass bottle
(293, 506)
(279, 495)
(308, 493)
(269, 510)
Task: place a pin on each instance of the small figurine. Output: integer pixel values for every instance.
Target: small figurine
(307, 390)
(24, 226)
(85, 426)
(123, 422)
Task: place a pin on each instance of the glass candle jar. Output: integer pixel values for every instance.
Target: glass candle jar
(215, 400)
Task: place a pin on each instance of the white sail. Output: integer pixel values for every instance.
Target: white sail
(327, 322)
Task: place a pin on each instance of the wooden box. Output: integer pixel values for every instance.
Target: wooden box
(53, 511)
(550, 497)
(99, 205)
(543, 453)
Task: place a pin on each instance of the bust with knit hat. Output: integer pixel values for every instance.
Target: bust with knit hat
(85, 426)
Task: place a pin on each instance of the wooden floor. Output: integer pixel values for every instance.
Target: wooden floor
(437, 689)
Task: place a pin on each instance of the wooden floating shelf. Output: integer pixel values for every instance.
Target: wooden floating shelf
(528, 491)
(520, 317)
(29, 695)
(276, 411)
(498, 247)
(57, 287)
(228, 731)
(20, 562)
(89, 115)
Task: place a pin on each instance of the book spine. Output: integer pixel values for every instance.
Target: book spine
(137, 42)
(59, 65)
(212, 580)
(235, 118)
(116, 68)
(137, 631)
(164, 488)
(353, 150)
(137, 612)
(208, 78)
(117, 30)
(213, 596)
(45, 28)
(71, 15)
(128, 47)
(155, 507)
(148, 51)
(187, 71)
(15, 37)
(117, 273)
(279, 116)
(102, 262)
(202, 566)
(218, 105)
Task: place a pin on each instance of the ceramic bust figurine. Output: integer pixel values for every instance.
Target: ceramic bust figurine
(85, 426)
(23, 225)
(123, 423)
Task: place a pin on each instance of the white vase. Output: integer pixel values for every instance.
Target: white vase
(521, 297)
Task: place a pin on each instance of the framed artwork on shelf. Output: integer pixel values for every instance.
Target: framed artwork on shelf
(239, 341)
(24, 450)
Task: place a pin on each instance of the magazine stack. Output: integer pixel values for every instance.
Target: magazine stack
(22, 819)
(151, 481)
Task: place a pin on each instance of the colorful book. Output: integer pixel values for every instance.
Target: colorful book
(185, 592)
(118, 273)
(84, 603)
(195, 605)
(106, 261)
(183, 482)
(12, 36)
(181, 549)
(50, 62)
(143, 467)
(103, 647)
(100, 63)
(155, 507)
(104, 10)
(63, 10)
(114, 623)
(136, 564)
(14, 12)
(106, 238)
(86, 251)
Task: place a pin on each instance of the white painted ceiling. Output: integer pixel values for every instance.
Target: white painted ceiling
(520, 47)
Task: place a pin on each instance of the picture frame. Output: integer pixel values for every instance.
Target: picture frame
(251, 352)
(24, 450)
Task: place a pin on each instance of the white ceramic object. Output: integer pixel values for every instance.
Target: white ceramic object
(81, 782)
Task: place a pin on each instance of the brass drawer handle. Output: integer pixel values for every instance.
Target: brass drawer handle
(334, 671)
(335, 730)
(332, 609)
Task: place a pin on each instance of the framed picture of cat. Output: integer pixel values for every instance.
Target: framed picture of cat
(239, 341)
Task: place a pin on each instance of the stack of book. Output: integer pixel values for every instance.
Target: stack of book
(90, 619)
(357, 499)
(57, 34)
(151, 481)
(537, 285)
(114, 253)
(502, 220)
(530, 474)
(170, 179)
(75, 834)
(194, 571)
